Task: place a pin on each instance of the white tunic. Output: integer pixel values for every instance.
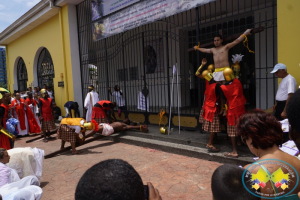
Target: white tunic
(90, 100)
(12, 188)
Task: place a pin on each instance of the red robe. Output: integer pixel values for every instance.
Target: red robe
(33, 125)
(4, 140)
(20, 110)
(209, 106)
(235, 99)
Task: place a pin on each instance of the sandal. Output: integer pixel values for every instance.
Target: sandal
(212, 149)
(230, 155)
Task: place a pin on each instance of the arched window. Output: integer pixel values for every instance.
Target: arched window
(45, 69)
(22, 75)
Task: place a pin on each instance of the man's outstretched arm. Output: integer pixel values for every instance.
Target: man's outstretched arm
(203, 50)
(239, 39)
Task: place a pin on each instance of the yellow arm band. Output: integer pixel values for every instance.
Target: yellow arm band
(226, 108)
(5, 132)
(198, 70)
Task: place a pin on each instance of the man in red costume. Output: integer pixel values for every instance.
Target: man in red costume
(4, 109)
(34, 127)
(100, 110)
(46, 114)
(211, 122)
(19, 105)
(233, 91)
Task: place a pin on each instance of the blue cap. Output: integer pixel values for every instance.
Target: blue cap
(277, 67)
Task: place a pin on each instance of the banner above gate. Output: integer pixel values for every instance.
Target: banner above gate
(102, 8)
(141, 13)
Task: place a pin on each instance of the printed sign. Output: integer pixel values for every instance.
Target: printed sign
(141, 13)
(106, 7)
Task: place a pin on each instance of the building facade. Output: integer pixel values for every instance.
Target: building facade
(3, 73)
(55, 42)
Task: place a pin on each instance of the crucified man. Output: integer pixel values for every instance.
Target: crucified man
(220, 53)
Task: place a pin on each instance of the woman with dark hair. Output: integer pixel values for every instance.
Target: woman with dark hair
(263, 135)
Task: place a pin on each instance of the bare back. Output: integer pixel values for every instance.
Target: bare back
(295, 162)
(220, 56)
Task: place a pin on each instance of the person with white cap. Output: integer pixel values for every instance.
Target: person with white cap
(286, 89)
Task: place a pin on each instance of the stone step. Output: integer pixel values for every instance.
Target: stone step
(181, 149)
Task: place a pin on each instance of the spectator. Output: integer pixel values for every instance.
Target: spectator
(263, 134)
(12, 187)
(71, 105)
(226, 183)
(286, 89)
(120, 99)
(293, 114)
(50, 93)
(90, 100)
(56, 111)
(113, 179)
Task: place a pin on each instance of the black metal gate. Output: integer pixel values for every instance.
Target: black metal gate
(45, 69)
(142, 59)
(22, 75)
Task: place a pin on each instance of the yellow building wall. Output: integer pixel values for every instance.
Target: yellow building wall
(53, 35)
(288, 16)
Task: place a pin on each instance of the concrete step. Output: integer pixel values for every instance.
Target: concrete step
(178, 148)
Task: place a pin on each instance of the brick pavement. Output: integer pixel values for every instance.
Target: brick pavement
(176, 176)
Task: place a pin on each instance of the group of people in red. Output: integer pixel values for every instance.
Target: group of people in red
(25, 112)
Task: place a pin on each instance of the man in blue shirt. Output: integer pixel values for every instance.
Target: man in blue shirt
(71, 105)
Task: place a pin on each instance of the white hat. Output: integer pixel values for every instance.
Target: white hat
(277, 67)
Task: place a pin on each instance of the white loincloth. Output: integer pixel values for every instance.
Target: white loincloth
(107, 129)
(218, 76)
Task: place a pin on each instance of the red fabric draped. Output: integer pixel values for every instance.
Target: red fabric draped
(20, 110)
(33, 125)
(47, 109)
(98, 113)
(4, 142)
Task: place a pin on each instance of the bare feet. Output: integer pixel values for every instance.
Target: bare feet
(76, 152)
(231, 155)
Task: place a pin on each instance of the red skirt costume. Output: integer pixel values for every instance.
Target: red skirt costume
(4, 140)
(99, 114)
(33, 125)
(48, 121)
(235, 99)
(210, 115)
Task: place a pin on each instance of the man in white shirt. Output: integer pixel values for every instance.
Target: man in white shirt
(286, 89)
(90, 100)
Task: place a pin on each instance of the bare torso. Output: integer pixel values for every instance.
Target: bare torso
(220, 56)
(279, 155)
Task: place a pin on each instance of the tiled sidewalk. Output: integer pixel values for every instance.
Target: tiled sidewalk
(176, 176)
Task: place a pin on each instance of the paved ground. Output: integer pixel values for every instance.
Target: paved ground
(176, 176)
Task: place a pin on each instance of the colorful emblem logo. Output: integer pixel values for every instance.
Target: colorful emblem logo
(270, 178)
